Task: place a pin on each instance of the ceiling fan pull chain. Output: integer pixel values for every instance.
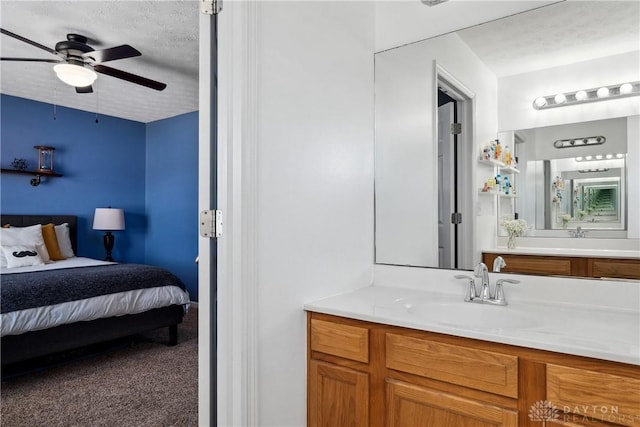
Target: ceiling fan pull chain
(55, 102)
(97, 102)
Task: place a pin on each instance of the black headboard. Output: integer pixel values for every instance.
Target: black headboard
(27, 220)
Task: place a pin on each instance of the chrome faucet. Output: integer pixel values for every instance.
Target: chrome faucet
(481, 271)
(498, 263)
(485, 296)
(578, 233)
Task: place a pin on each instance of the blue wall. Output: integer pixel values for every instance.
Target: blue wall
(105, 164)
(172, 196)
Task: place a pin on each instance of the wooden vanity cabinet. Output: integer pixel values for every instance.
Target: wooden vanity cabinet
(621, 268)
(368, 374)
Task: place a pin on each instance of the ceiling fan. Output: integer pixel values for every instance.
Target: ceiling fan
(77, 63)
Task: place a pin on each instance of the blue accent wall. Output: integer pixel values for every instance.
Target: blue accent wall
(172, 196)
(149, 170)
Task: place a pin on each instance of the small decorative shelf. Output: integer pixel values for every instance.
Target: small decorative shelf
(509, 170)
(38, 174)
(497, 193)
(491, 163)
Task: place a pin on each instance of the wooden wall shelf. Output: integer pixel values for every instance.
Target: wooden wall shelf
(32, 173)
(38, 174)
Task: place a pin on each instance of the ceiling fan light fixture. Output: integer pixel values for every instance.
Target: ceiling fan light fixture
(75, 75)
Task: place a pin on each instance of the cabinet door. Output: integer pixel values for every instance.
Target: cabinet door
(338, 396)
(583, 396)
(414, 406)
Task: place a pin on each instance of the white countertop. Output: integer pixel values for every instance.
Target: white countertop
(602, 332)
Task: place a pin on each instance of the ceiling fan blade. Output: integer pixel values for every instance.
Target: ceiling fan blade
(31, 42)
(119, 74)
(113, 53)
(86, 89)
(54, 61)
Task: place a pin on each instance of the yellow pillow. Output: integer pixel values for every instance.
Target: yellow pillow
(51, 242)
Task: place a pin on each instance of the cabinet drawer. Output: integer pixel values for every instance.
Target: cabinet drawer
(350, 342)
(593, 394)
(478, 369)
(626, 269)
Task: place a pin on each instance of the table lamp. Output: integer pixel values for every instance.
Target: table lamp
(108, 219)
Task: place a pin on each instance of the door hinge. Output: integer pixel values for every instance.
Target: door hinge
(456, 218)
(456, 128)
(211, 224)
(210, 7)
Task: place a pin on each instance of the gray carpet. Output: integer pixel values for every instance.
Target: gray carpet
(146, 384)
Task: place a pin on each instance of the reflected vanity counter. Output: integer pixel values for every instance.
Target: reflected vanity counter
(597, 263)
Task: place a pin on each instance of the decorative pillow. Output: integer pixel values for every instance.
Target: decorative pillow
(21, 256)
(51, 242)
(64, 240)
(25, 236)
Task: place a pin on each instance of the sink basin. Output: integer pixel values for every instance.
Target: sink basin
(468, 315)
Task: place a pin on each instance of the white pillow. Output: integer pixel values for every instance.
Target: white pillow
(64, 240)
(25, 236)
(21, 256)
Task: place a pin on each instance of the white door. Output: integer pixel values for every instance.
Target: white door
(446, 198)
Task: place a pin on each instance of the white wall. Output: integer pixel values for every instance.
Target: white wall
(315, 181)
(516, 93)
(406, 144)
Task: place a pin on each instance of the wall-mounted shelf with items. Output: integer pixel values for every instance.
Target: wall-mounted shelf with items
(38, 174)
(496, 193)
(502, 167)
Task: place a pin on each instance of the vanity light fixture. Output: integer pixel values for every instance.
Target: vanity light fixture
(598, 157)
(432, 2)
(579, 142)
(621, 90)
(593, 170)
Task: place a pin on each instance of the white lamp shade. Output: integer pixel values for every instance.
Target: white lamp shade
(108, 219)
(75, 75)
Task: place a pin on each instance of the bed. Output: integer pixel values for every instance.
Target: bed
(75, 302)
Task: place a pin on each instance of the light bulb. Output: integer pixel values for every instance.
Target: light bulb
(560, 98)
(618, 156)
(540, 102)
(626, 88)
(599, 157)
(75, 75)
(588, 157)
(578, 159)
(609, 156)
(581, 95)
(603, 92)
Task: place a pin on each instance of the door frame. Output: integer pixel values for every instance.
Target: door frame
(465, 99)
(237, 184)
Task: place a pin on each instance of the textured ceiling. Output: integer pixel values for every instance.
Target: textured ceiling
(165, 32)
(559, 34)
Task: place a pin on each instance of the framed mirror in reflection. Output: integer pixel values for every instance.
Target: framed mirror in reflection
(494, 72)
(578, 188)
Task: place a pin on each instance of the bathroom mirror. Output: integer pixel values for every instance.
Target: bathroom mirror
(493, 72)
(575, 186)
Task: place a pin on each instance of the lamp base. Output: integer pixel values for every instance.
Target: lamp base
(109, 240)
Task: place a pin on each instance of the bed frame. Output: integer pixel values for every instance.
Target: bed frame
(18, 348)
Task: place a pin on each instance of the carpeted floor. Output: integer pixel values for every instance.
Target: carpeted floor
(144, 384)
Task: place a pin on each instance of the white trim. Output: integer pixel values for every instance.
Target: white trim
(466, 115)
(205, 181)
(237, 387)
